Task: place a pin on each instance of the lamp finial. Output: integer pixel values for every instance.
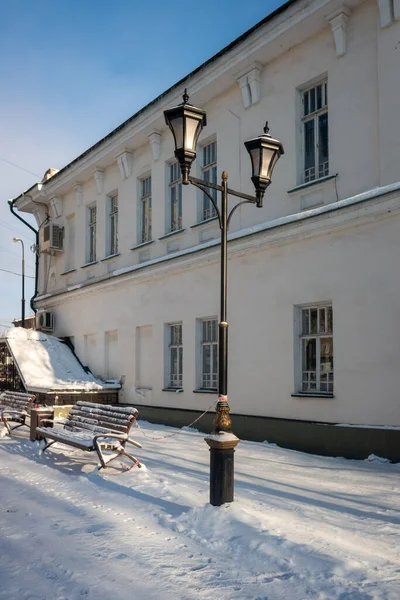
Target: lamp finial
(185, 97)
(266, 128)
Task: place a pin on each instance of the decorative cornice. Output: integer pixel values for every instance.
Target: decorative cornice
(249, 82)
(56, 204)
(155, 144)
(124, 161)
(338, 22)
(99, 179)
(78, 189)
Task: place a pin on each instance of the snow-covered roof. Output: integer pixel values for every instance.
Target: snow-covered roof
(46, 363)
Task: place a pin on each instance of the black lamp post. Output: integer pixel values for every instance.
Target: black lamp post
(186, 122)
(16, 239)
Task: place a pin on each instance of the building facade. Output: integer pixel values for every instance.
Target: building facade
(129, 260)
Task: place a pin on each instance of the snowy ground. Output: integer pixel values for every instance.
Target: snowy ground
(301, 527)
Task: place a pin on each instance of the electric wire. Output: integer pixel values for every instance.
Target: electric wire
(14, 273)
(19, 167)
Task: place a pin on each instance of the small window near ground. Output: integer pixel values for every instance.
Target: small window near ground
(175, 351)
(317, 350)
(209, 354)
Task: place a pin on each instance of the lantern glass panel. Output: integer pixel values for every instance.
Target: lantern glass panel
(192, 126)
(176, 125)
(268, 162)
(255, 159)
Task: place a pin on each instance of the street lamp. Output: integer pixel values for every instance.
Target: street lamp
(16, 239)
(186, 122)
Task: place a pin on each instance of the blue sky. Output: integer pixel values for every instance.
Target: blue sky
(72, 70)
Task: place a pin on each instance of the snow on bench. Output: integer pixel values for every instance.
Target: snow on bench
(15, 408)
(94, 428)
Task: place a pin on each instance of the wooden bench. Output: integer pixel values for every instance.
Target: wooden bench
(95, 428)
(15, 408)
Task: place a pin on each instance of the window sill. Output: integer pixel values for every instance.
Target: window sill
(304, 186)
(204, 391)
(110, 257)
(204, 222)
(310, 395)
(68, 272)
(89, 264)
(142, 245)
(171, 233)
(171, 389)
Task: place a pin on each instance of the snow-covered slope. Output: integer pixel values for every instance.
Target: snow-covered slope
(46, 363)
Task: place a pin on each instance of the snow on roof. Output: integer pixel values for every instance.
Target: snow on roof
(47, 364)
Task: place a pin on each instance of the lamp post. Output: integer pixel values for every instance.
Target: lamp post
(186, 123)
(16, 239)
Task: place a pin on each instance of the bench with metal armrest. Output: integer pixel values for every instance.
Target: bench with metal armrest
(15, 408)
(95, 428)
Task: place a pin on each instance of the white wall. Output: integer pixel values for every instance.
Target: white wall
(354, 267)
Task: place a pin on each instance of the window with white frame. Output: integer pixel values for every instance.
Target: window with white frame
(175, 197)
(316, 338)
(112, 247)
(145, 210)
(315, 131)
(175, 355)
(209, 173)
(91, 233)
(209, 354)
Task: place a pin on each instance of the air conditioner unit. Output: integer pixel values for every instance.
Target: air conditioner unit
(52, 238)
(44, 320)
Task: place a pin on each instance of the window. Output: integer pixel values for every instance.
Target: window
(175, 197)
(317, 349)
(91, 239)
(145, 210)
(315, 132)
(113, 225)
(175, 351)
(209, 354)
(209, 173)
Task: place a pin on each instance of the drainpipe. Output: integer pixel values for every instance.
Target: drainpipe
(36, 232)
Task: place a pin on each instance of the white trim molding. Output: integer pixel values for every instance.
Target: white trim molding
(78, 189)
(124, 161)
(385, 12)
(155, 144)
(338, 22)
(249, 83)
(56, 204)
(99, 179)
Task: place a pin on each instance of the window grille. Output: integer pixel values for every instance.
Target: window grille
(315, 132)
(317, 349)
(175, 356)
(145, 202)
(209, 354)
(175, 195)
(209, 174)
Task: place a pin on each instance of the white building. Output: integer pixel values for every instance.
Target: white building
(313, 276)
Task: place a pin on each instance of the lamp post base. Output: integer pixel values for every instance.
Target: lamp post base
(222, 448)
